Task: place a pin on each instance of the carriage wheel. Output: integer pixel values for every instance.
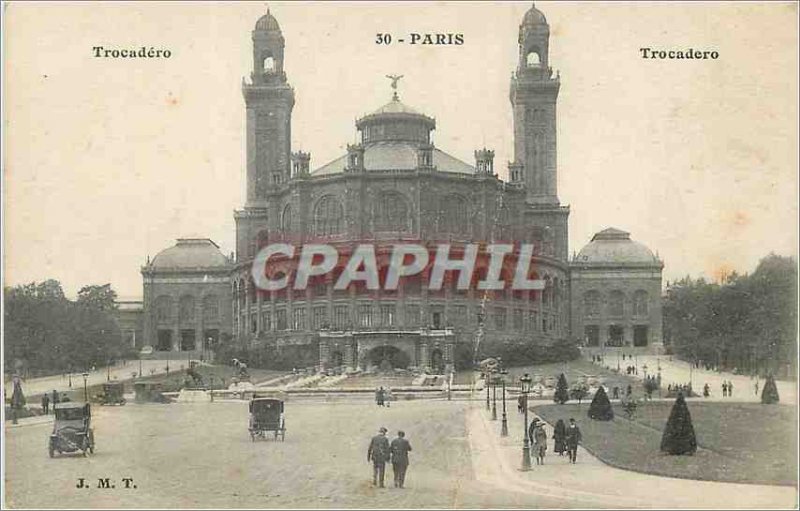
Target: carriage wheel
(252, 436)
(85, 446)
(283, 435)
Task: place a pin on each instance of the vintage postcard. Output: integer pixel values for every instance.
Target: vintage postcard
(395, 255)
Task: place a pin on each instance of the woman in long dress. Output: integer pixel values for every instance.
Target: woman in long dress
(559, 436)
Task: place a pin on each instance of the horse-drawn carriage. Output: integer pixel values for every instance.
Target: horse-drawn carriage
(266, 415)
(72, 429)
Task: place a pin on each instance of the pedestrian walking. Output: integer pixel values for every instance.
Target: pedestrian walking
(45, 403)
(706, 390)
(539, 443)
(399, 449)
(724, 388)
(629, 390)
(54, 400)
(560, 437)
(379, 396)
(388, 397)
(378, 454)
(574, 438)
(730, 388)
(521, 404)
(756, 387)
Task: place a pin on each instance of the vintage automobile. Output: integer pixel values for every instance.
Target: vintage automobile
(266, 415)
(112, 394)
(72, 429)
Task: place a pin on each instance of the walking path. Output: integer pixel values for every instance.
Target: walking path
(680, 372)
(591, 483)
(120, 372)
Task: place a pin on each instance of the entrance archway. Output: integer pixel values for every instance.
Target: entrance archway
(437, 361)
(337, 359)
(387, 358)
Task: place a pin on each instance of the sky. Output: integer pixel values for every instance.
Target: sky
(108, 161)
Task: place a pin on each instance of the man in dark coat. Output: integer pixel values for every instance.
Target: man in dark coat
(378, 454)
(573, 437)
(400, 448)
(45, 403)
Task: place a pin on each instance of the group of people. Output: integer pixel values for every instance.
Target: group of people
(727, 388)
(383, 397)
(381, 452)
(565, 439)
(674, 388)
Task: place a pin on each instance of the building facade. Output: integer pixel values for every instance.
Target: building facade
(393, 186)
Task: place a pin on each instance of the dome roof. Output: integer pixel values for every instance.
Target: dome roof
(395, 106)
(534, 17)
(613, 246)
(397, 155)
(268, 23)
(190, 253)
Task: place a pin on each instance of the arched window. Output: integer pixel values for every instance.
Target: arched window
(269, 64)
(533, 59)
(186, 309)
(453, 215)
(640, 300)
(210, 308)
(616, 304)
(591, 304)
(390, 213)
(163, 307)
(286, 219)
(328, 216)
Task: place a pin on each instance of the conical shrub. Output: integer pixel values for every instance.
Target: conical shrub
(561, 395)
(679, 435)
(769, 395)
(600, 409)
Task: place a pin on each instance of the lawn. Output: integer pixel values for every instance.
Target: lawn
(737, 442)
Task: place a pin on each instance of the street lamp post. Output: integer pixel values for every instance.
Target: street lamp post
(108, 370)
(494, 396)
(486, 384)
(525, 384)
(85, 388)
(70, 377)
(504, 424)
(140, 365)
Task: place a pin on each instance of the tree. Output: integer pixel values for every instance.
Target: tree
(769, 395)
(101, 298)
(679, 437)
(561, 395)
(600, 409)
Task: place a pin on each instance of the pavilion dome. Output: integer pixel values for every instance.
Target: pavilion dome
(614, 246)
(534, 17)
(268, 23)
(190, 253)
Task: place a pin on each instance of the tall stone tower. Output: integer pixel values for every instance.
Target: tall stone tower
(534, 92)
(269, 100)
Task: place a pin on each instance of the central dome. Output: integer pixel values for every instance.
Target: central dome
(396, 122)
(190, 253)
(613, 246)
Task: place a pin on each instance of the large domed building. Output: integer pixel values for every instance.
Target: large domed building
(392, 186)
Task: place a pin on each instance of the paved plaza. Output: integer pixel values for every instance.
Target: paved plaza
(200, 455)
